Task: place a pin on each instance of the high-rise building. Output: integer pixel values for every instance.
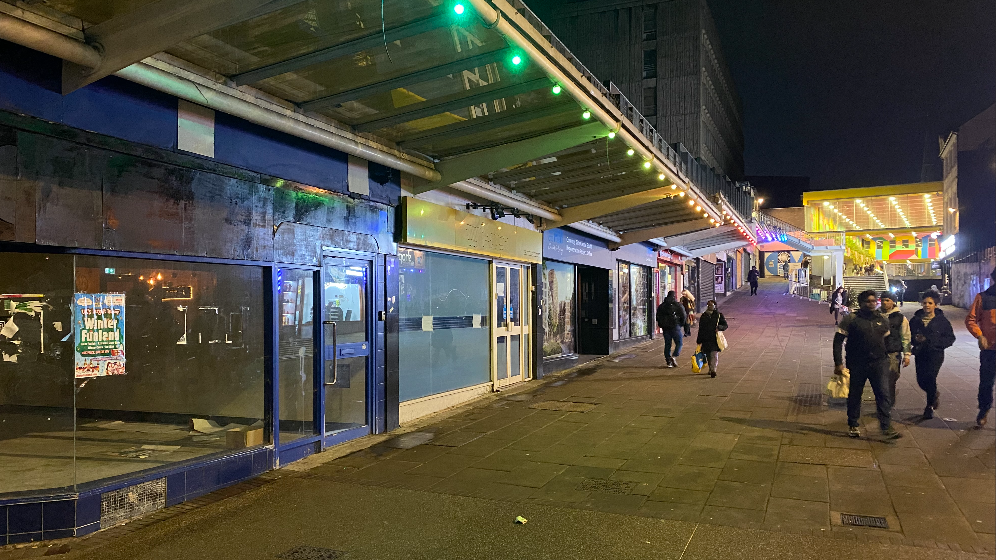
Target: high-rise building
(665, 56)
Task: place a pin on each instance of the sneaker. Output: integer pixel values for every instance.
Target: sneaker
(981, 419)
(928, 413)
(854, 432)
(712, 374)
(891, 433)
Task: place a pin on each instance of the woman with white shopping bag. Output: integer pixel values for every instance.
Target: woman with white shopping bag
(712, 323)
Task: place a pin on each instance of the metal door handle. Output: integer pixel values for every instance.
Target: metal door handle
(335, 353)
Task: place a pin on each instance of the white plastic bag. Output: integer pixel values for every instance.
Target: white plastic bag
(838, 386)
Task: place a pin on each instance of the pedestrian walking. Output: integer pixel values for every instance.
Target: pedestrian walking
(932, 333)
(897, 344)
(671, 319)
(711, 324)
(981, 322)
(752, 277)
(867, 360)
(901, 292)
(688, 302)
(838, 304)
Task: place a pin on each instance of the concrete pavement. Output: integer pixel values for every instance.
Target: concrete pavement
(622, 458)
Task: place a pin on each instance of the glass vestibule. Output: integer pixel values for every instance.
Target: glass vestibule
(192, 384)
(347, 344)
(511, 310)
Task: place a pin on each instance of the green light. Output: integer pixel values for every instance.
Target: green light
(459, 9)
(586, 114)
(630, 152)
(612, 135)
(646, 165)
(516, 60)
(556, 89)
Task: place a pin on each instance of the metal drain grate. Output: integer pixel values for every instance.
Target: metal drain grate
(863, 521)
(606, 486)
(565, 406)
(311, 553)
(121, 505)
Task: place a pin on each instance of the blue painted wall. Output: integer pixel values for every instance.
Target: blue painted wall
(30, 85)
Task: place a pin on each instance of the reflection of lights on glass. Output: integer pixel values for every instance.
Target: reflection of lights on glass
(141, 277)
(354, 273)
(159, 276)
(152, 281)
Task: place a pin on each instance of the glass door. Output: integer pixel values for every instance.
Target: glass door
(346, 348)
(511, 310)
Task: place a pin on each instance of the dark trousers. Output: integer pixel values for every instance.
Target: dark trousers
(753, 288)
(673, 336)
(877, 375)
(928, 364)
(987, 375)
(688, 328)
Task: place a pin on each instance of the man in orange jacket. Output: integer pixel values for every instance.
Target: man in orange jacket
(981, 322)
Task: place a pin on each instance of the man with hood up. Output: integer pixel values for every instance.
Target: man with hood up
(897, 344)
(981, 322)
(671, 318)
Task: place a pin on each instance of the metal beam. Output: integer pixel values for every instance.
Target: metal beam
(572, 199)
(406, 79)
(474, 126)
(480, 162)
(695, 236)
(594, 183)
(460, 100)
(593, 169)
(572, 164)
(641, 235)
(645, 221)
(624, 201)
(714, 248)
(350, 47)
(152, 28)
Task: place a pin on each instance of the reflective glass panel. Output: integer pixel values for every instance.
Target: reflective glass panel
(444, 339)
(344, 319)
(624, 301)
(296, 353)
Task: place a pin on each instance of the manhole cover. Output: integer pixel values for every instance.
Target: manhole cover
(863, 521)
(409, 440)
(606, 486)
(563, 406)
(311, 553)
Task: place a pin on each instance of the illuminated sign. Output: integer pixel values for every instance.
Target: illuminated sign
(947, 247)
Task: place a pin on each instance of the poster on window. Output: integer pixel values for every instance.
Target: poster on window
(99, 324)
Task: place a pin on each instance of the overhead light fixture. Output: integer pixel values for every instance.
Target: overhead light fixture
(647, 164)
(681, 194)
(630, 152)
(517, 60)
(459, 9)
(698, 208)
(661, 177)
(556, 89)
(691, 202)
(675, 187)
(612, 135)
(586, 114)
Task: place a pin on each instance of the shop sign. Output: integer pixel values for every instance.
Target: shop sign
(99, 324)
(433, 225)
(947, 247)
(667, 257)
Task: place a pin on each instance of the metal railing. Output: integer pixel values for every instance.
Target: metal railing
(706, 179)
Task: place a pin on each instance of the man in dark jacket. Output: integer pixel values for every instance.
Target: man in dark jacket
(671, 318)
(868, 360)
(752, 280)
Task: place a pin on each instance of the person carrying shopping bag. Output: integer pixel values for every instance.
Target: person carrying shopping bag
(712, 323)
(932, 333)
(688, 302)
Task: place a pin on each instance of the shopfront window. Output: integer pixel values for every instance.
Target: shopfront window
(639, 281)
(444, 332)
(166, 367)
(296, 293)
(624, 300)
(558, 308)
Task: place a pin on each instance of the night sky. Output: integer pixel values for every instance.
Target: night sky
(845, 92)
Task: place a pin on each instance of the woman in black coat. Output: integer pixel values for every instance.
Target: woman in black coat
(710, 323)
(932, 333)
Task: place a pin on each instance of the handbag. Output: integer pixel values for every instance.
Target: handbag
(721, 341)
(698, 359)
